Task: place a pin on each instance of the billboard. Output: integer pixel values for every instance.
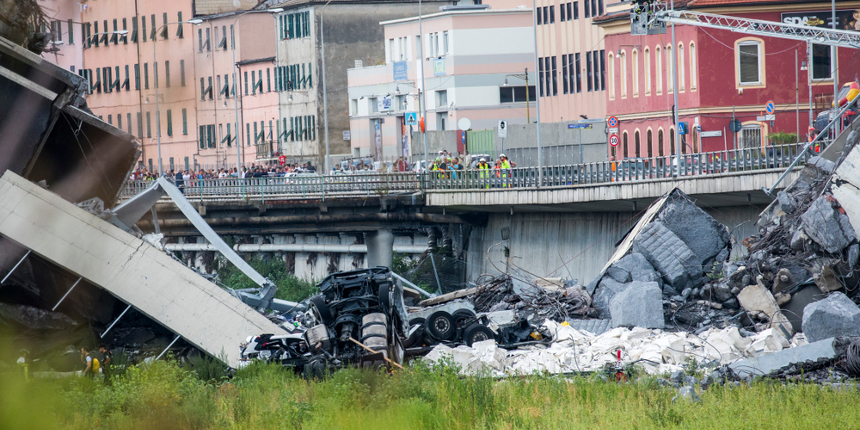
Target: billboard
(845, 19)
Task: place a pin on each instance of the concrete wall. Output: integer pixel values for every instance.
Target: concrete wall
(572, 245)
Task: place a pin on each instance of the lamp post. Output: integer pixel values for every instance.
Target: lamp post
(236, 100)
(155, 73)
(537, 95)
(423, 99)
(675, 95)
(325, 94)
(524, 76)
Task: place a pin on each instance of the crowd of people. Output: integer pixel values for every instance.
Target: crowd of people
(448, 167)
(189, 176)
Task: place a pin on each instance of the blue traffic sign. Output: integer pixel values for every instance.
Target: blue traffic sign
(575, 126)
(769, 107)
(411, 118)
(613, 122)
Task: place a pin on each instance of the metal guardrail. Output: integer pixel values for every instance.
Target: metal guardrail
(630, 169)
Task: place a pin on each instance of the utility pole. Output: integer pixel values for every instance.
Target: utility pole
(528, 107)
(675, 93)
(537, 95)
(423, 99)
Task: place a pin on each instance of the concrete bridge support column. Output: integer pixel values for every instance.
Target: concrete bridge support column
(380, 248)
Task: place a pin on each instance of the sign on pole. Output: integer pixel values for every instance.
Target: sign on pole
(613, 140)
(439, 67)
(503, 129)
(400, 69)
(612, 122)
(769, 107)
(613, 130)
(346, 135)
(411, 118)
(578, 126)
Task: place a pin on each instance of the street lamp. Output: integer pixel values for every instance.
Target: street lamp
(236, 102)
(325, 95)
(537, 94)
(525, 77)
(157, 111)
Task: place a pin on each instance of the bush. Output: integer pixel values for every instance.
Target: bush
(289, 286)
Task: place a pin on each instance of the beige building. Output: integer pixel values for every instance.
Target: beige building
(64, 24)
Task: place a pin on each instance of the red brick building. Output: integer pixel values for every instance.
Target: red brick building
(721, 74)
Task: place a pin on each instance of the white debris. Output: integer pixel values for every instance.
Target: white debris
(572, 350)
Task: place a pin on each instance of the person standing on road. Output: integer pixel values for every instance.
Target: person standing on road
(86, 358)
(180, 183)
(484, 172)
(107, 361)
(505, 165)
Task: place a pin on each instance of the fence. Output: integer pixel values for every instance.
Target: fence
(629, 169)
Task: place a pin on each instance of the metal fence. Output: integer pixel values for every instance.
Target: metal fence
(629, 169)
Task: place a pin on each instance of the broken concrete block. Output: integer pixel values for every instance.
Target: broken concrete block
(798, 240)
(834, 316)
(607, 289)
(783, 280)
(668, 254)
(639, 305)
(722, 292)
(786, 202)
(756, 298)
(822, 164)
(618, 274)
(826, 279)
(767, 363)
(687, 394)
(704, 235)
(827, 227)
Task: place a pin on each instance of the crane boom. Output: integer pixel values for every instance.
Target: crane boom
(649, 18)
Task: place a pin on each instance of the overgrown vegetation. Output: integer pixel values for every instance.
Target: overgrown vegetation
(782, 138)
(163, 395)
(290, 287)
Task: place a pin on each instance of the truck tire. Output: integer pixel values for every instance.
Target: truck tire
(321, 309)
(462, 316)
(385, 299)
(374, 331)
(441, 326)
(415, 339)
(477, 333)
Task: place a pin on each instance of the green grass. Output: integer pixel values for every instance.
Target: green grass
(289, 286)
(165, 396)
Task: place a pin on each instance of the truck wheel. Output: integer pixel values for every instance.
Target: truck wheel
(385, 299)
(441, 326)
(374, 331)
(477, 333)
(321, 310)
(462, 316)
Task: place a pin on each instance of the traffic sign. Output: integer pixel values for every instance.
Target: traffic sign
(503, 129)
(769, 106)
(735, 125)
(613, 140)
(580, 126)
(766, 118)
(613, 130)
(613, 122)
(411, 118)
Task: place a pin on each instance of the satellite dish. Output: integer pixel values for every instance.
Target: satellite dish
(464, 124)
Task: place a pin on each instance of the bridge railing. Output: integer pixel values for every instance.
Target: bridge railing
(628, 169)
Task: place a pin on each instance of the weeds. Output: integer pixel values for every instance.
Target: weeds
(165, 395)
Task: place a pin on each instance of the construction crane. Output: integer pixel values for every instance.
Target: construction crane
(651, 17)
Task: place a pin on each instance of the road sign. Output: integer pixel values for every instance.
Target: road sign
(769, 106)
(735, 125)
(464, 124)
(400, 71)
(580, 126)
(613, 130)
(346, 135)
(613, 122)
(411, 118)
(682, 128)
(766, 118)
(715, 133)
(503, 129)
(613, 140)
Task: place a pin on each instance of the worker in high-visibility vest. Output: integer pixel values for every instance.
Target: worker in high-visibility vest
(484, 172)
(811, 135)
(505, 165)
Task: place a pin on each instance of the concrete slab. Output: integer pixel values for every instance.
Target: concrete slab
(769, 362)
(133, 271)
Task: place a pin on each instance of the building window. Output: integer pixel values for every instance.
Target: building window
(246, 83)
(148, 126)
(199, 38)
(821, 64)
(749, 60)
(681, 78)
(602, 69)
(658, 62)
(179, 32)
(588, 74)
(660, 142)
(561, 13)
(636, 145)
(516, 94)
(626, 153)
(578, 67)
(693, 69)
(182, 72)
(554, 73)
(672, 140)
(647, 58)
(268, 80)
(128, 122)
(552, 14)
(169, 123)
(575, 9)
(442, 99)
(184, 122)
(670, 70)
(623, 74)
(146, 76)
(139, 126)
(611, 77)
(587, 8)
(635, 66)
(444, 42)
(155, 74)
(167, 74)
(540, 77)
(649, 141)
(564, 73)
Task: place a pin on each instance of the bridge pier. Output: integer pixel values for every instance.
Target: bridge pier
(380, 248)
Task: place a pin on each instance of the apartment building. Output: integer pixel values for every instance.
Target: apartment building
(64, 24)
(236, 109)
(352, 34)
(473, 62)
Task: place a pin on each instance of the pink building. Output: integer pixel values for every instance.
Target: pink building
(64, 18)
(253, 38)
(466, 55)
(125, 72)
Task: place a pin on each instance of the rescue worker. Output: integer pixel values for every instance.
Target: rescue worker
(484, 172)
(505, 166)
(811, 135)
